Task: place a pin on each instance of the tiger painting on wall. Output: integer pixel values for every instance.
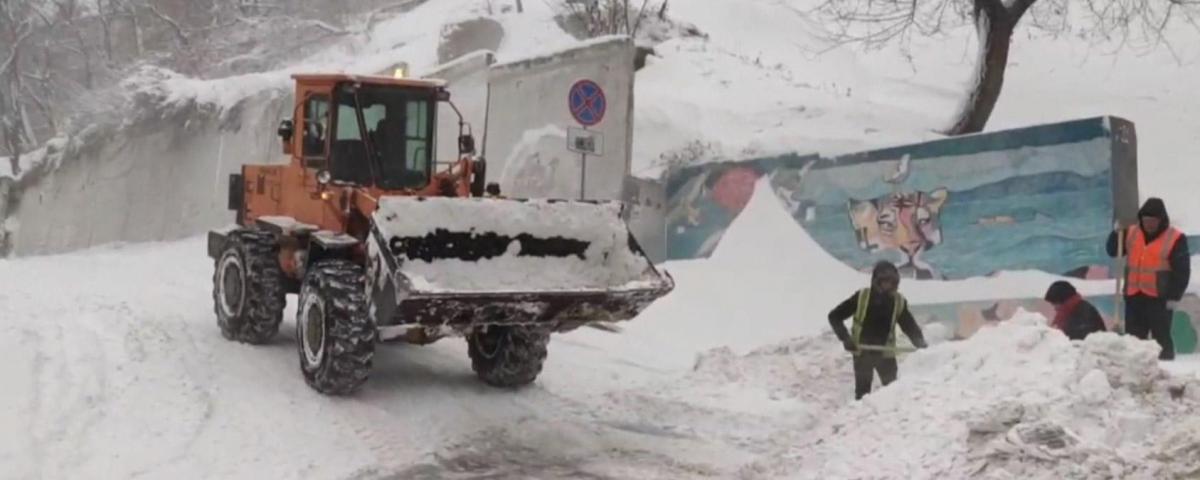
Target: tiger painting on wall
(907, 222)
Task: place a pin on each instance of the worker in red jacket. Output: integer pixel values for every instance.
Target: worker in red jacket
(1156, 276)
(1076, 317)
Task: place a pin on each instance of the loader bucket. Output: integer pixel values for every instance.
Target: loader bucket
(465, 262)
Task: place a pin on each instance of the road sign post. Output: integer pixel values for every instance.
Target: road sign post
(582, 176)
(587, 104)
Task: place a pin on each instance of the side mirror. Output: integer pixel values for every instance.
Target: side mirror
(466, 144)
(286, 129)
(479, 176)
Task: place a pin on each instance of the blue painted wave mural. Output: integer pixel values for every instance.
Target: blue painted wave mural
(1040, 198)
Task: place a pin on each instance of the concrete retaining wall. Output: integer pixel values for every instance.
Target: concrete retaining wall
(646, 216)
(467, 80)
(161, 181)
(530, 121)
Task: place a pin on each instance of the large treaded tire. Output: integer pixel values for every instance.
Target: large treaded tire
(248, 290)
(508, 356)
(334, 332)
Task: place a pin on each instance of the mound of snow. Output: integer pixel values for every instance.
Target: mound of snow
(1017, 400)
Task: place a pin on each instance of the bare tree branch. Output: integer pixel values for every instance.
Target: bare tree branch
(179, 32)
(1128, 23)
(24, 33)
(373, 17)
(609, 17)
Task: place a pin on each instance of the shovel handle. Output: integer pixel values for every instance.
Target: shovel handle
(877, 348)
(1119, 277)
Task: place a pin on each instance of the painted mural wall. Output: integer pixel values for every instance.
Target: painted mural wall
(1041, 198)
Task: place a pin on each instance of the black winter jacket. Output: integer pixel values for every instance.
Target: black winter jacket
(876, 325)
(1083, 320)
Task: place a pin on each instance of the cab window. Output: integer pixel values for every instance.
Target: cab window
(316, 122)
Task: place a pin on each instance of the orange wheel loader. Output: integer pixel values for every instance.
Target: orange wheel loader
(380, 246)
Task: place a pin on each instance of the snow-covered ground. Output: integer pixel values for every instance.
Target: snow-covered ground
(116, 369)
(114, 366)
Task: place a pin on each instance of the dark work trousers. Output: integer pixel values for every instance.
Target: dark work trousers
(865, 366)
(1148, 317)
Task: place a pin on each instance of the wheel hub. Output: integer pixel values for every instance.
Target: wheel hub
(232, 285)
(487, 343)
(312, 331)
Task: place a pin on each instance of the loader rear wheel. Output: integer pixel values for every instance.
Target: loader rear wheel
(248, 293)
(334, 332)
(508, 356)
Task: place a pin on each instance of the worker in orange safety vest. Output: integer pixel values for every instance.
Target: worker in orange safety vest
(1157, 273)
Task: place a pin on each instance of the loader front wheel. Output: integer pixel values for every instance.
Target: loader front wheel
(248, 293)
(334, 332)
(508, 356)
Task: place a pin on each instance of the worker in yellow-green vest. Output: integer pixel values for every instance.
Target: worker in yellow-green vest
(876, 311)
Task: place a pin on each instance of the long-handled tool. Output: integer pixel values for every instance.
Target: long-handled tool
(1118, 295)
(880, 348)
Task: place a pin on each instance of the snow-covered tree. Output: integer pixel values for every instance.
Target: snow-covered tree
(610, 17)
(1135, 24)
(60, 59)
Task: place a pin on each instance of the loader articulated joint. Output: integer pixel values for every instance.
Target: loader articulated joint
(478, 177)
(237, 195)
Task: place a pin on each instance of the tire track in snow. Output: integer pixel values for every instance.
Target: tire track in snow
(36, 446)
(75, 394)
(550, 435)
(156, 333)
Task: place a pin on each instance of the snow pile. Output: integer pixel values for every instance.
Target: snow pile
(812, 370)
(741, 402)
(1018, 400)
(158, 92)
(607, 263)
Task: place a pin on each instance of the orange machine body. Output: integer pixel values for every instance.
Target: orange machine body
(293, 192)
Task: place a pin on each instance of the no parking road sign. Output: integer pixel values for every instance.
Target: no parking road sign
(586, 102)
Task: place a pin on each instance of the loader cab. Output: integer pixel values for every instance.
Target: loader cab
(368, 131)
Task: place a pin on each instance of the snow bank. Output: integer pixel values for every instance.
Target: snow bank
(608, 262)
(158, 89)
(1018, 400)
